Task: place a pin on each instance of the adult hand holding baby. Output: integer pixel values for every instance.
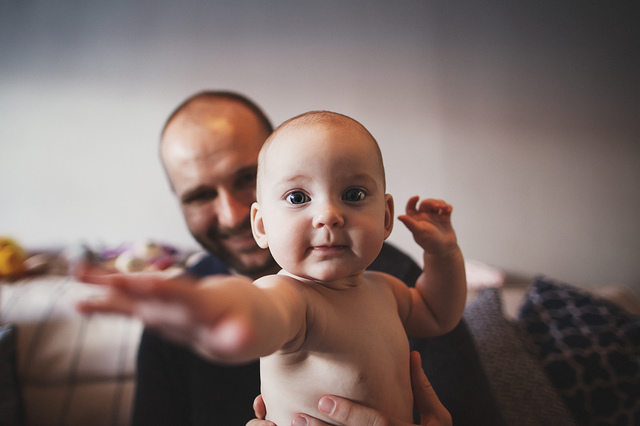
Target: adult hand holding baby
(349, 413)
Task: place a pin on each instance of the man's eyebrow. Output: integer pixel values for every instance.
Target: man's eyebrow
(245, 170)
(195, 192)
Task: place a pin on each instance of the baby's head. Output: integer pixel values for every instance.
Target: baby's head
(329, 128)
(322, 208)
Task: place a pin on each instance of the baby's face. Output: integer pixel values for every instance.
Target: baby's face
(322, 205)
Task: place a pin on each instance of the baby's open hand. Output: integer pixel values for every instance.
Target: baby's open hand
(430, 223)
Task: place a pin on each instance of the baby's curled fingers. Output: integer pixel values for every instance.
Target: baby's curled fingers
(428, 206)
(411, 207)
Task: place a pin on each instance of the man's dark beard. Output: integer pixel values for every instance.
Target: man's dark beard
(269, 267)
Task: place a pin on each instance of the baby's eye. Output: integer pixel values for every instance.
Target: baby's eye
(298, 197)
(354, 194)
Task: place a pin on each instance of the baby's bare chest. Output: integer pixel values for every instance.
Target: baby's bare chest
(353, 323)
(356, 346)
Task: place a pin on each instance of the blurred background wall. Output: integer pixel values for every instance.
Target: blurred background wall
(523, 115)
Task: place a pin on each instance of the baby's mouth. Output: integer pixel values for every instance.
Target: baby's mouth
(329, 248)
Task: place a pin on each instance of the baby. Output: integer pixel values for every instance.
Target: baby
(323, 325)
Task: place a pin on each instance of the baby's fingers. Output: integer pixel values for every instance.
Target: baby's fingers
(113, 303)
(439, 207)
(412, 205)
(428, 206)
(411, 224)
(141, 285)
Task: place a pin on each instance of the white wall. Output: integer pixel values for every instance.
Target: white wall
(523, 115)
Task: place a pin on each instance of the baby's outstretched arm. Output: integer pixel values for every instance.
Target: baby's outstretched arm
(442, 287)
(225, 318)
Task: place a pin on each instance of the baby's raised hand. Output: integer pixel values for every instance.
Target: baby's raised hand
(430, 223)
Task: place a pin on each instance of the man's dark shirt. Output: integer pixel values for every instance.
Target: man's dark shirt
(176, 387)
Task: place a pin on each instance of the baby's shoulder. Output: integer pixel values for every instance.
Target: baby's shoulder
(380, 278)
(381, 282)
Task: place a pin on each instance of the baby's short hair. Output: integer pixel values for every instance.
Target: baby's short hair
(312, 118)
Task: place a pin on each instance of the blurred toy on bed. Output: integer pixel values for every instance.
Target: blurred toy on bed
(140, 256)
(12, 258)
(145, 256)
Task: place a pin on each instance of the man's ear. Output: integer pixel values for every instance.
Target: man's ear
(388, 215)
(257, 226)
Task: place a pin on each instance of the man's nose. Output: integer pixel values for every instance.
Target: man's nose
(328, 215)
(232, 212)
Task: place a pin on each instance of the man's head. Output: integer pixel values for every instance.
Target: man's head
(209, 148)
(322, 208)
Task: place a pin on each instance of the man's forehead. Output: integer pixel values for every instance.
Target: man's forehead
(218, 124)
(187, 127)
(212, 135)
(216, 115)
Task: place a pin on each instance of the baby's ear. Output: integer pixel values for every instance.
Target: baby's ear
(388, 215)
(257, 226)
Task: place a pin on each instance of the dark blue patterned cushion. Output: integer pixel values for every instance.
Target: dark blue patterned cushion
(522, 390)
(589, 348)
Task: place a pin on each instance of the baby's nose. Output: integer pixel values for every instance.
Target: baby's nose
(328, 215)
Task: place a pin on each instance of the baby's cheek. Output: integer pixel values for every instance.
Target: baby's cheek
(284, 251)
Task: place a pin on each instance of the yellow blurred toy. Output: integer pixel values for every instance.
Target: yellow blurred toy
(12, 258)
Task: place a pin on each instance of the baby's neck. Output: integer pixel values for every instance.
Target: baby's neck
(344, 283)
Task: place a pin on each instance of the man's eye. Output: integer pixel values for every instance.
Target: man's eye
(298, 197)
(354, 194)
(246, 180)
(199, 197)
